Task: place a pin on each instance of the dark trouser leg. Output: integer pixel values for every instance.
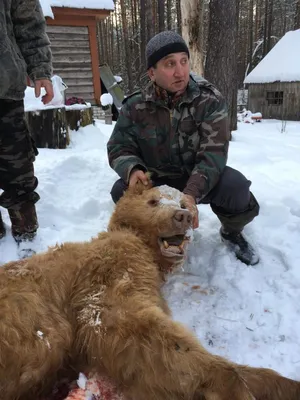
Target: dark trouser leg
(17, 178)
(232, 201)
(2, 228)
(118, 189)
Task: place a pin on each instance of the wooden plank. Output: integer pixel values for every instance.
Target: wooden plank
(80, 89)
(88, 96)
(60, 66)
(72, 81)
(56, 51)
(80, 12)
(75, 58)
(69, 40)
(71, 21)
(79, 30)
(95, 62)
(66, 75)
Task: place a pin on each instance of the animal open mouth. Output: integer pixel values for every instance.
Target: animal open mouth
(174, 245)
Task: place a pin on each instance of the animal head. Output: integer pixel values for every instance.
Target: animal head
(159, 217)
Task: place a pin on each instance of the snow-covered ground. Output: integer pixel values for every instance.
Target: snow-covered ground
(248, 314)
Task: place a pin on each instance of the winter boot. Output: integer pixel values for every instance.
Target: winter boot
(24, 223)
(2, 227)
(239, 245)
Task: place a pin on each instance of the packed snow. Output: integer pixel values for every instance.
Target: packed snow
(46, 7)
(170, 196)
(32, 103)
(247, 314)
(106, 99)
(282, 63)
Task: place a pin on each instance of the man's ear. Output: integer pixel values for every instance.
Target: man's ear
(151, 74)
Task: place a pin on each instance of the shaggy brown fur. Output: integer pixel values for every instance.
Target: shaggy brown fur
(98, 306)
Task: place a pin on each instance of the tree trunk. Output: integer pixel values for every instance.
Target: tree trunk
(49, 128)
(161, 15)
(143, 33)
(118, 58)
(169, 14)
(179, 19)
(250, 48)
(221, 61)
(265, 47)
(192, 32)
(127, 46)
(149, 20)
(260, 13)
(269, 31)
(297, 15)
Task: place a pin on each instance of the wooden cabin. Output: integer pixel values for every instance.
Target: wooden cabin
(72, 30)
(274, 84)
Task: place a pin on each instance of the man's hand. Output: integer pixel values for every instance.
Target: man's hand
(47, 85)
(190, 204)
(136, 176)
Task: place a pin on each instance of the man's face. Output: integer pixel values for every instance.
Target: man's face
(171, 72)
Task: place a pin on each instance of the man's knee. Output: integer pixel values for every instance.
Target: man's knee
(233, 192)
(118, 189)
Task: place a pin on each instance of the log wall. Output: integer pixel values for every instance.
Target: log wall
(71, 51)
(288, 110)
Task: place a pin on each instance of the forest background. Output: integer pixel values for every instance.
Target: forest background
(226, 38)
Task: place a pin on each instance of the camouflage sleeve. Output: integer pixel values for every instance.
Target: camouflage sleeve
(122, 147)
(30, 32)
(212, 154)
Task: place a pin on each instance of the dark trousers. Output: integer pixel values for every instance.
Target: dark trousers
(231, 199)
(17, 154)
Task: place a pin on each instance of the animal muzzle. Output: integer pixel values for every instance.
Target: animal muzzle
(182, 220)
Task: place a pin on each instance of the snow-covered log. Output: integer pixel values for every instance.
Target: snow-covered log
(49, 127)
(79, 117)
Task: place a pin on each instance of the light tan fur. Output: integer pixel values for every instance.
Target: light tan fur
(98, 306)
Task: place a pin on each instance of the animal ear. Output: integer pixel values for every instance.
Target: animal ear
(140, 187)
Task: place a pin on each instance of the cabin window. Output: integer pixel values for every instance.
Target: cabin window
(274, 98)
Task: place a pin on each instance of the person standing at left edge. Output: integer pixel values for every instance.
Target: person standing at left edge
(24, 55)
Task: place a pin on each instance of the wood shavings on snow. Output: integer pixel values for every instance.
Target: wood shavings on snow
(90, 314)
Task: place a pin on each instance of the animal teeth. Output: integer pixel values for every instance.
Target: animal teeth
(166, 244)
(181, 248)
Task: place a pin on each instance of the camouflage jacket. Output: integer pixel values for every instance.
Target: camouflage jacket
(189, 139)
(24, 46)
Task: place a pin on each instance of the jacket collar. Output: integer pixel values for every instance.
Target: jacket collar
(151, 94)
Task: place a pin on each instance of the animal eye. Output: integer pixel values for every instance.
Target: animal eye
(182, 205)
(153, 202)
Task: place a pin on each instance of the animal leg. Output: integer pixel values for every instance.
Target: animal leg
(153, 357)
(266, 384)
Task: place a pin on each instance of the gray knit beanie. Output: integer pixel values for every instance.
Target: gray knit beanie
(162, 44)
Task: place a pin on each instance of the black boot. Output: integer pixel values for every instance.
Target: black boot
(24, 223)
(239, 245)
(2, 227)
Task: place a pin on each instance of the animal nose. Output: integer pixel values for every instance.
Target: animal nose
(182, 219)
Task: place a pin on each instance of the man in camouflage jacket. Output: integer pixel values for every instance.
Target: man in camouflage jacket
(24, 56)
(177, 129)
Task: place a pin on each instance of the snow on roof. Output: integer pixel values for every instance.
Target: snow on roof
(282, 63)
(90, 4)
(45, 4)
